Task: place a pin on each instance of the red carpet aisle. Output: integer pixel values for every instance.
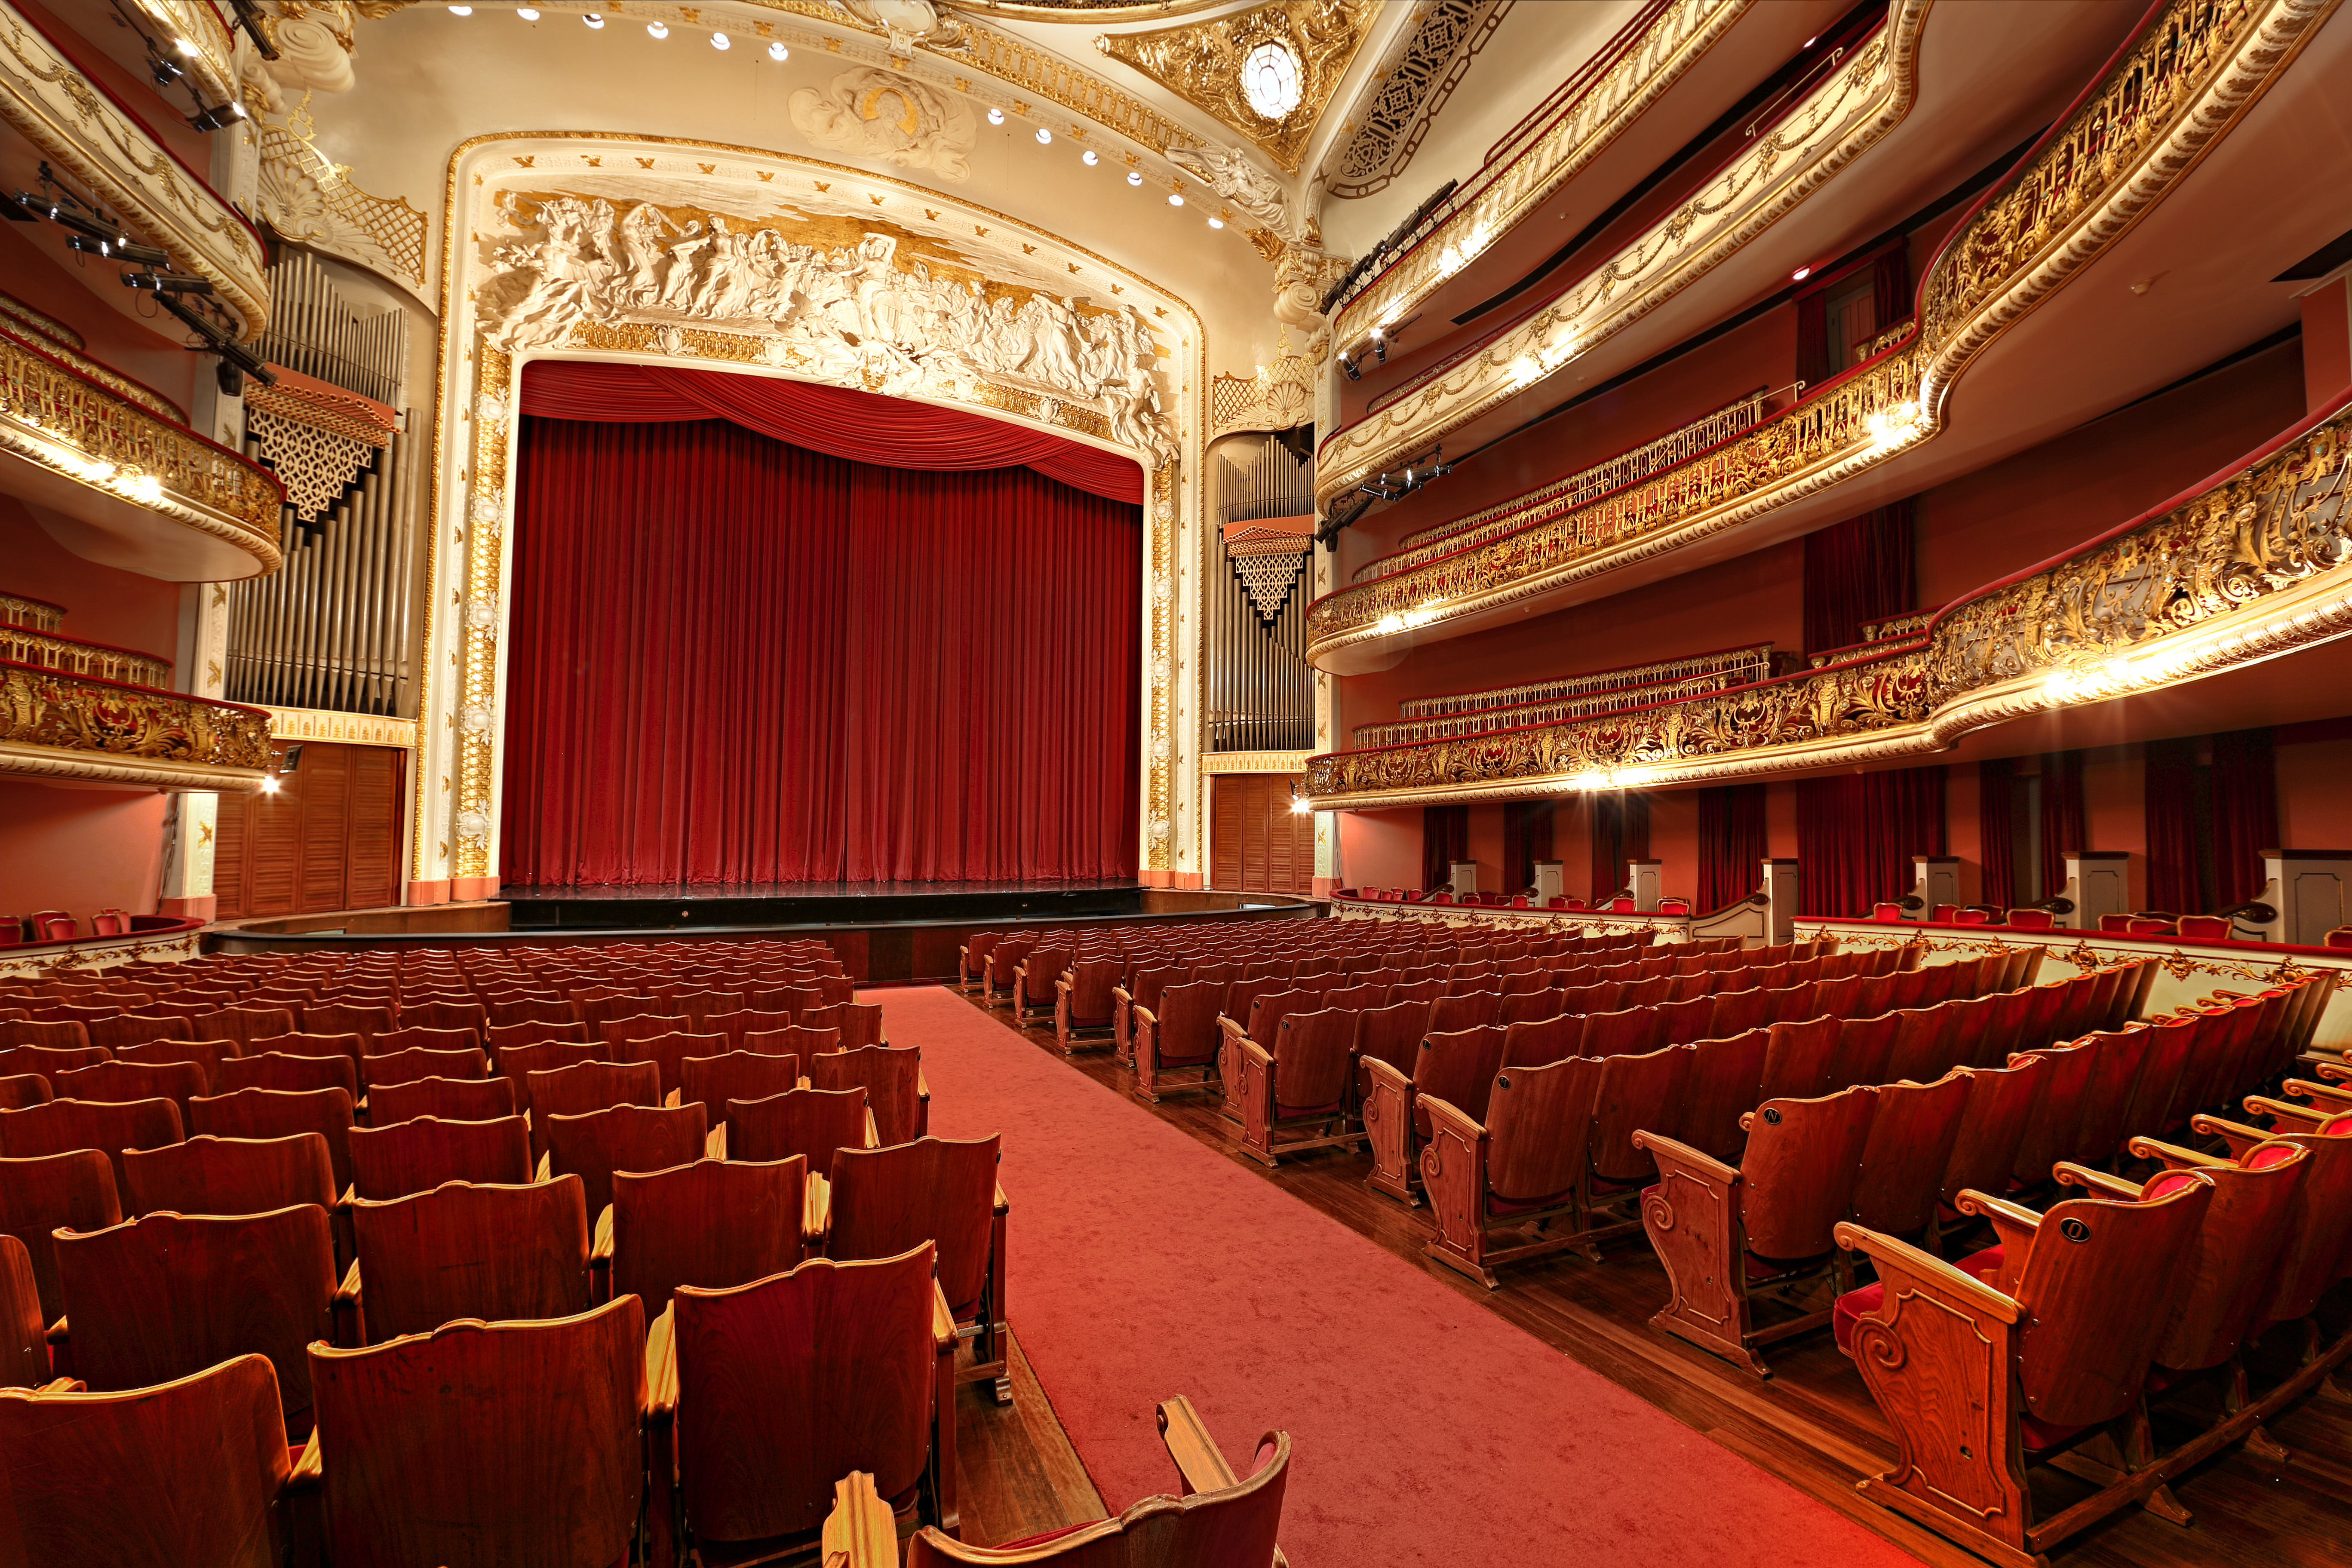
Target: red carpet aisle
(1427, 1429)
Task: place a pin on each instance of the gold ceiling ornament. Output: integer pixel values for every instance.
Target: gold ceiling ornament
(1203, 63)
(1095, 11)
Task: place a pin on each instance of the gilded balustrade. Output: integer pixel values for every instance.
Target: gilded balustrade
(2186, 79)
(71, 424)
(1488, 720)
(56, 724)
(1501, 195)
(22, 645)
(2260, 565)
(1753, 662)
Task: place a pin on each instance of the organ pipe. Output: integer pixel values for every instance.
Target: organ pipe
(1260, 689)
(334, 629)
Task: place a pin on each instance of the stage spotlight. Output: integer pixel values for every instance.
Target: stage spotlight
(1301, 807)
(1133, 178)
(1044, 137)
(1349, 365)
(657, 29)
(213, 119)
(778, 52)
(269, 785)
(996, 117)
(1089, 157)
(593, 20)
(720, 41)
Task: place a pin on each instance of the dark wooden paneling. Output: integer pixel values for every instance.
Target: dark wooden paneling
(1256, 843)
(327, 838)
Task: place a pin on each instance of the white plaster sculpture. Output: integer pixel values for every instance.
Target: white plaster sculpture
(883, 115)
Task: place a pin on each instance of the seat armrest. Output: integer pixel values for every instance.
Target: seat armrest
(2335, 1095)
(1197, 1460)
(661, 1366)
(1145, 1015)
(1689, 1159)
(2172, 1156)
(816, 1214)
(1002, 1206)
(1451, 1117)
(309, 1471)
(2290, 1117)
(714, 1142)
(2068, 1173)
(347, 1294)
(1893, 1256)
(669, 1100)
(2013, 1223)
(1254, 1053)
(2238, 1136)
(860, 1531)
(546, 1169)
(943, 1323)
(600, 1251)
(873, 1130)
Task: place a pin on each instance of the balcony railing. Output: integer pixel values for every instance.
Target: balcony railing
(2126, 142)
(20, 645)
(72, 426)
(88, 134)
(1568, 494)
(200, 42)
(1491, 721)
(54, 724)
(2254, 564)
(1540, 156)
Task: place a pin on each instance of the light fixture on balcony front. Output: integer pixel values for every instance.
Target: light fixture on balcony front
(1800, 274)
(779, 53)
(721, 42)
(657, 29)
(593, 20)
(996, 117)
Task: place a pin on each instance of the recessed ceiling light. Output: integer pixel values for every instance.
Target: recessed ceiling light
(1174, 200)
(1133, 178)
(461, 10)
(720, 41)
(592, 19)
(527, 14)
(1216, 222)
(1800, 274)
(778, 52)
(996, 117)
(1044, 137)
(657, 29)
(1090, 158)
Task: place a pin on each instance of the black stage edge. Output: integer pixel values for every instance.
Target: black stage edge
(682, 906)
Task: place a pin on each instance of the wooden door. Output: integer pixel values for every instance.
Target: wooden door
(327, 838)
(1256, 843)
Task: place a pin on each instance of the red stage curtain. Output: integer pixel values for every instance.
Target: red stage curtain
(1859, 570)
(1997, 831)
(737, 662)
(2171, 803)
(1891, 295)
(1621, 832)
(889, 432)
(1527, 838)
(1444, 838)
(2062, 823)
(2245, 813)
(1856, 834)
(1732, 844)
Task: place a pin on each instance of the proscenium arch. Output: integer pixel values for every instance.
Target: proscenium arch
(457, 804)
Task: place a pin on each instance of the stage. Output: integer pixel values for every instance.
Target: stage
(677, 906)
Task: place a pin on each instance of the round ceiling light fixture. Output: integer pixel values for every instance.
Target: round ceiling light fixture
(1044, 137)
(996, 117)
(593, 20)
(657, 29)
(778, 52)
(720, 41)
(1270, 80)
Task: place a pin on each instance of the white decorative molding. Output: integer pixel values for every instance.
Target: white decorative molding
(1232, 175)
(312, 201)
(1255, 762)
(895, 118)
(344, 729)
(100, 953)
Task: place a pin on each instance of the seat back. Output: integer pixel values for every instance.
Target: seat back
(808, 1122)
(108, 1128)
(450, 1098)
(1688, 1020)
(45, 1193)
(408, 1066)
(891, 1078)
(1992, 1126)
(1538, 1120)
(1267, 1012)
(47, 1061)
(24, 1351)
(1630, 1031)
(351, 1046)
(1798, 1173)
(1912, 1133)
(842, 1382)
(469, 1249)
(210, 1056)
(190, 1471)
(712, 1081)
(1391, 1034)
(712, 1223)
(584, 1087)
(119, 1083)
(1310, 1059)
(2095, 1283)
(1893, 1046)
(1539, 1043)
(668, 1051)
(2057, 1111)
(558, 1477)
(419, 1155)
(1797, 1063)
(933, 1190)
(279, 1070)
(1458, 1066)
(594, 1144)
(1723, 1080)
(2238, 1246)
(167, 1295)
(231, 1175)
(1091, 980)
(1638, 1094)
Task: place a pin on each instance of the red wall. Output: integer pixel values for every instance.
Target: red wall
(30, 270)
(79, 850)
(103, 604)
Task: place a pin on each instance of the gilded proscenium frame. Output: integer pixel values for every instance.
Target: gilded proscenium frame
(2254, 567)
(1851, 111)
(2189, 76)
(456, 808)
(1500, 197)
(82, 429)
(79, 130)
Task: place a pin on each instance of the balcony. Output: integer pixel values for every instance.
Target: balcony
(123, 484)
(87, 135)
(199, 39)
(2236, 597)
(59, 726)
(2205, 113)
(1914, 108)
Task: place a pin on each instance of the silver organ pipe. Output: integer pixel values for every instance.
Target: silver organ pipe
(1260, 689)
(334, 627)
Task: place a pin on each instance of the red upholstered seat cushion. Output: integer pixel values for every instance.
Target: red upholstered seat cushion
(1856, 1305)
(1286, 1111)
(1042, 1540)
(1775, 1267)
(1497, 1206)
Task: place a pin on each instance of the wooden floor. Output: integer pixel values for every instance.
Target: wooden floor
(1813, 1423)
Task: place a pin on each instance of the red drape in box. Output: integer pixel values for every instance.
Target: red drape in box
(1732, 845)
(836, 420)
(1620, 825)
(1856, 834)
(1859, 570)
(2173, 882)
(1444, 838)
(1997, 788)
(2245, 813)
(2064, 822)
(736, 662)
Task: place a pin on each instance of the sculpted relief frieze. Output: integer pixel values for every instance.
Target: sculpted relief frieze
(871, 306)
(880, 114)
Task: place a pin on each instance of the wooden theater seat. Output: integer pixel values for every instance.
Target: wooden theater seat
(417, 1156)
(206, 1174)
(188, 1471)
(119, 1083)
(1083, 1003)
(810, 1122)
(516, 1063)
(43, 1194)
(853, 1374)
(1731, 1234)
(110, 1128)
(712, 1081)
(883, 1201)
(713, 1224)
(1458, 1068)
(279, 1113)
(585, 1087)
(892, 1078)
(1182, 1036)
(1296, 1094)
(507, 1442)
(594, 1144)
(464, 1249)
(1522, 1167)
(1140, 991)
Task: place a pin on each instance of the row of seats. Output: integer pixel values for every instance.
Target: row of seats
(56, 925)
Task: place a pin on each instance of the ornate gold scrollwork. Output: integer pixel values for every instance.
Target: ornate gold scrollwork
(62, 711)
